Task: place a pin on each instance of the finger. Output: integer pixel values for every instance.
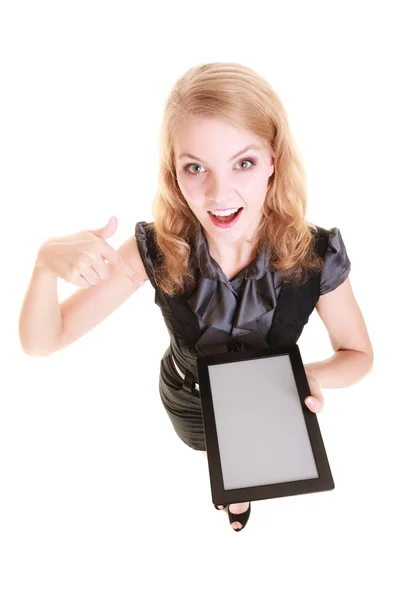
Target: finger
(315, 404)
(108, 230)
(113, 257)
(132, 274)
(100, 267)
(316, 391)
(110, 254)
(315, 401)
(90, 275)
(82, 282)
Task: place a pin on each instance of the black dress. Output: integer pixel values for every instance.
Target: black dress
(252, 310)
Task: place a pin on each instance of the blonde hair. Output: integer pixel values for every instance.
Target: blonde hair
(239, 95)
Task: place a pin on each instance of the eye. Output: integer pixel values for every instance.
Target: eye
(187, 168)
(252, 162)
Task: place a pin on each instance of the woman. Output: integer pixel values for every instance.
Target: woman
(232, 258)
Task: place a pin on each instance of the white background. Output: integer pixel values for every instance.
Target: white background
(99, 497)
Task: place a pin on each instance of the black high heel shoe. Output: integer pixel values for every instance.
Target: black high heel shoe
(241, 518)
(223, 505)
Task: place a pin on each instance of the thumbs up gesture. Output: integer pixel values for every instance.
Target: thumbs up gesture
(80, 258)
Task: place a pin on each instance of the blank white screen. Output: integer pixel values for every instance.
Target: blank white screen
(261, 431)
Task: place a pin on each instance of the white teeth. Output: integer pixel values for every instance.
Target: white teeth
(223, 213)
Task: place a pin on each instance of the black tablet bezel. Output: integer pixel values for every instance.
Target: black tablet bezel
(323, 482)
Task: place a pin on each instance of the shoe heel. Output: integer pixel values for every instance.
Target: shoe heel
(241, 518)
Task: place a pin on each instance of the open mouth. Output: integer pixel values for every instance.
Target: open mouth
(226, 221)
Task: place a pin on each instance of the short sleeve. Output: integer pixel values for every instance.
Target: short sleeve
(147, 248)
(337, 265)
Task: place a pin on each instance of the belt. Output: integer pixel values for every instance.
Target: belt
(188, 381)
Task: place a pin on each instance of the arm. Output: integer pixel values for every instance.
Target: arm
(45, 326)
(40, 323)
(353, 357)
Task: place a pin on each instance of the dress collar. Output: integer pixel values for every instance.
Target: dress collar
(222, 307)
(210, 269)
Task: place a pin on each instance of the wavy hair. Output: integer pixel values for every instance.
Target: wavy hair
(239, 95)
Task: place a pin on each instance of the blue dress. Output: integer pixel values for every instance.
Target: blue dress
(251, 310)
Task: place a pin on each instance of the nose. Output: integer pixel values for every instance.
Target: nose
(219, 189)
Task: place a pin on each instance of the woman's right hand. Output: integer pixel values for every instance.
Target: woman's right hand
(79, 258)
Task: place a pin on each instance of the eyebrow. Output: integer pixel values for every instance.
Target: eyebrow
(251, 147)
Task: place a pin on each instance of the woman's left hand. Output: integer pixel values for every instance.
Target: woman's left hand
(315, 402)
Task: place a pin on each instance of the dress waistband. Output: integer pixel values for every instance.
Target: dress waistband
(196, 385)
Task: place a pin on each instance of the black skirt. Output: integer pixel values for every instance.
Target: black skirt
(182, 407)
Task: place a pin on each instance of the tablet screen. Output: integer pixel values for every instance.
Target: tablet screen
(262, 435)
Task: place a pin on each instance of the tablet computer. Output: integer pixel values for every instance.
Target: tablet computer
(262, 441)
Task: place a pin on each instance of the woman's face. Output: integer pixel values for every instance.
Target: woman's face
(215, 174)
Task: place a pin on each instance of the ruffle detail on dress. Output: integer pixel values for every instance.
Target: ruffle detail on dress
(232, 316)
(216, 304)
